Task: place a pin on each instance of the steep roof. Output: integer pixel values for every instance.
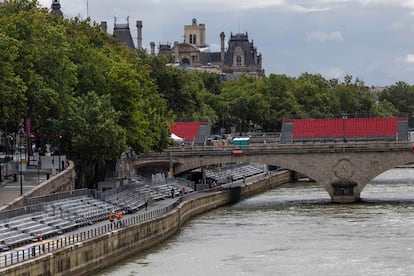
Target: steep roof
(210, 57)
(123, 34)
(55, 8)
(249, 51)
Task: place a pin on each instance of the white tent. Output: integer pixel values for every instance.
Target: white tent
(176, 138)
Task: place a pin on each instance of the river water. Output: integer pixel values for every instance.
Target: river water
(294, 230)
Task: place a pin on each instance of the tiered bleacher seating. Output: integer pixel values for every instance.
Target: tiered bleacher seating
(229, 173)
(55, 220)
(130, 200)
(10, 236)
(62, 215)
(343, 128)
(83, 210)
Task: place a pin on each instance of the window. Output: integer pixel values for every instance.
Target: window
(238, 57)
(239, 61)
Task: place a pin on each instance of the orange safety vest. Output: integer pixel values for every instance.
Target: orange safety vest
(111, 217)
(120, 214)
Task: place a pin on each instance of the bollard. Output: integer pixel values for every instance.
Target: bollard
(47, 176)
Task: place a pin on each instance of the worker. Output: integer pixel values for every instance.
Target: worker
(120, 214)
(119, 217)
(146, 199)
(111, 217)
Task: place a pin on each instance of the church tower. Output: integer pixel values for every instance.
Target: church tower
(195, 34)
(55, 8)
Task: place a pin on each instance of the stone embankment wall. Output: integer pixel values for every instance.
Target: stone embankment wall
(93, 255)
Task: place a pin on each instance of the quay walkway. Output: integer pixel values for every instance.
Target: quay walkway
(47, 245)
(11, 188)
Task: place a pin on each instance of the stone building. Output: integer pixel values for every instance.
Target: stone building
(239, 58)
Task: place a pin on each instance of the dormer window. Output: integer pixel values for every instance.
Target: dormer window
(238, 57)
(238, 61)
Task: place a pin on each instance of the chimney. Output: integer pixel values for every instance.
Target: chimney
(176, 52)
(139, 28)
(152, 45)
(103, 27)
(222, 36)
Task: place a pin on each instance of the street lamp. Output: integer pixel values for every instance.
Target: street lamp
(21, 164)
(344, 117)
(60, 137)
(58, 125)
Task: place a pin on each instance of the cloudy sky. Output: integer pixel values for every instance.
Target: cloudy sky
(369, 39)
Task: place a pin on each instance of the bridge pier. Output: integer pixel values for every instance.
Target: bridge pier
(343, 192)
(342, 169)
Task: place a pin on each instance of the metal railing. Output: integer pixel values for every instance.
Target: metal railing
(354, 146)
(41, 248)
(59, 196)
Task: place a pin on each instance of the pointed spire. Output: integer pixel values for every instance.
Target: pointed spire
(55, 8)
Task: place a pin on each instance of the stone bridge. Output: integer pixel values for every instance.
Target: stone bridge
(343, 169)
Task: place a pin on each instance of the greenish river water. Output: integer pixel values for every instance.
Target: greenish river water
(294, 230)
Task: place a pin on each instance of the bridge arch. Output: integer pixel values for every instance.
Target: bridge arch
(342, 170)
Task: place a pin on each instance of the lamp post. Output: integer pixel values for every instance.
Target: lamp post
(344, 117)
(21, 164)
(58, 126)
(60, 137)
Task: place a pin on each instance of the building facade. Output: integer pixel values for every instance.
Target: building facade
(240, 57)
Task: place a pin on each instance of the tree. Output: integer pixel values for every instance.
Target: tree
(283, 103)
(95, 134)
(245, 104)
(401, 95)
(12, 87)
(313, 100)
(42, 72)
(384, 109)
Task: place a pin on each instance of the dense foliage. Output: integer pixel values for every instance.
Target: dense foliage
(73, 80)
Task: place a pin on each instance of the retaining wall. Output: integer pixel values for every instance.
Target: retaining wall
(93, 255)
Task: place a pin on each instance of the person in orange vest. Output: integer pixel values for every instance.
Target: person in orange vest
(119, 216)
(111, 217)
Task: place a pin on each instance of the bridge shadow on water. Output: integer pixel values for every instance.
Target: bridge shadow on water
(388, 201)
(309, 195)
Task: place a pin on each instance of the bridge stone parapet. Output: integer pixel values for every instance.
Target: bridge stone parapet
(342, 169)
